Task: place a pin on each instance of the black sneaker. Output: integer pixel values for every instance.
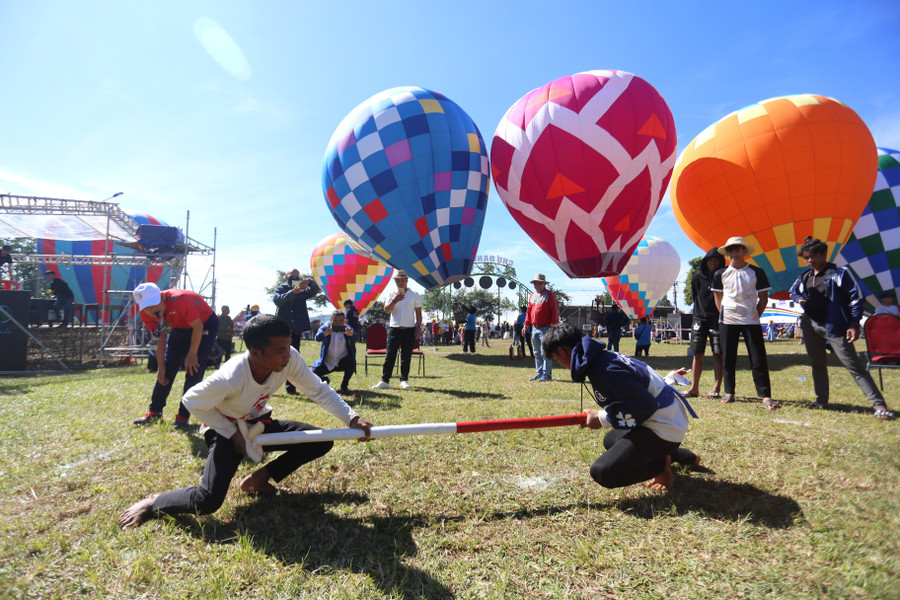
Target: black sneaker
(149, 418)
(291, 391)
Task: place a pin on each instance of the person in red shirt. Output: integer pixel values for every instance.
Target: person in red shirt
(543, 311)
(187, 329)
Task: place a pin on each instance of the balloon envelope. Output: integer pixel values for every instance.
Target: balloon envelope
(873, 250)
(344, 274)
(406, 176)
(582, 164)
(774, 173)
(649, 275)
(86, 281)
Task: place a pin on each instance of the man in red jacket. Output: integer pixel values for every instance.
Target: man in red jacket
(187, 328)
(542, 312)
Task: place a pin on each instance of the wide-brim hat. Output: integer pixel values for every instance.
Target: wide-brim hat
(401, 274)
(539, 278)
(147, 294)
(736, 241)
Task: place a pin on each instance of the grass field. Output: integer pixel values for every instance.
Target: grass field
(791, 504)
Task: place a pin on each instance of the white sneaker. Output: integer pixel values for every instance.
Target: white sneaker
(404, 385)
(381, 385)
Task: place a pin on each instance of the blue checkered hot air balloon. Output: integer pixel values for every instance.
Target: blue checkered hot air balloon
(873, 250)
(406, 176)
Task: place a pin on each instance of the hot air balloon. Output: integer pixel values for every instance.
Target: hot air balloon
(345, 274)
(774, 173)
(649, 275)
(86, 281)
(582, 164)
(406, 177)
(873, 250)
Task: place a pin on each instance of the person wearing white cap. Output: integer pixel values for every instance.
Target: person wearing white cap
(187, 328)
(742, 292)
(543, 311)
(405, 308)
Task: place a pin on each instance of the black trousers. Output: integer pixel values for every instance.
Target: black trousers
(346, 364)
(402, 340)
(177, 345)
(469, 340)
(635, 455)
(295, 343)
(729, 336)
(222, 463)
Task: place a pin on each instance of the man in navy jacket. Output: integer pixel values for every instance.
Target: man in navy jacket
(338, 350)
(832, 307)
(646, 416)
(290, 299)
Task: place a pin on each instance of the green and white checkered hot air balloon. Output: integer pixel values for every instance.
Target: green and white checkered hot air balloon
(873, 250)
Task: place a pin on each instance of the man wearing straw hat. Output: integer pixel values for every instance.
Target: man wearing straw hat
(543, 311)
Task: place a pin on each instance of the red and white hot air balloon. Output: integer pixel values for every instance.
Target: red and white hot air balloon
(582, 164)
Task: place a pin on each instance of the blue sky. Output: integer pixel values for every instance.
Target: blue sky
(152, 100)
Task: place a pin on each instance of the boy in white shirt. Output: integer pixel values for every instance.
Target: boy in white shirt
(240, 390)
(742, 292)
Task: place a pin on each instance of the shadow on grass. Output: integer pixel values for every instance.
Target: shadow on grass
(720, 500)
(462, 393)
(492, 360)
(300, 530)
(776, 362)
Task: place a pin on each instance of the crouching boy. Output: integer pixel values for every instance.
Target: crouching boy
(645, 416)
(240, 390)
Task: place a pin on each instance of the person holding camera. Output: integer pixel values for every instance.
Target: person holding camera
(290, 299)
(338, 350)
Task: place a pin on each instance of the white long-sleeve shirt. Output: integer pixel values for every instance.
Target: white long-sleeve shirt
(231, 393)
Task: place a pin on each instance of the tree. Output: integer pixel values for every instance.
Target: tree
(507, 271)
(376, 311)
(665, 301)
(433, 301)
(28, 275)
(562, 298)
(604, 299)
(483, 301)
(695, 266)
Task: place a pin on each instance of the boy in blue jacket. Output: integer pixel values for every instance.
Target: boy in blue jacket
(646, 417)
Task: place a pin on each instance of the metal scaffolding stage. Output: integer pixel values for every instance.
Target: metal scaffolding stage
(31, 216)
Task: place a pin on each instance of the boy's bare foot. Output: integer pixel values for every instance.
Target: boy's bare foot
(137, 513)
(663, 482)
(727, 399)
(260, 484)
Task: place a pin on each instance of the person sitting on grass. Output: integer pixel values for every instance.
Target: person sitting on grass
(240, 390)
(338, 352)
(646, 417)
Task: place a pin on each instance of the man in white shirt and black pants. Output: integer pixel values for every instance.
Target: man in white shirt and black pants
(405, 308)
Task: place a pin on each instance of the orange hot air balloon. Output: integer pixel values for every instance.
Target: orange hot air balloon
(775, 172)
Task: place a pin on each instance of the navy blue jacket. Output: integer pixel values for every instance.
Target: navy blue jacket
(845, 307)
(627, 389)
(292, 307)
(326, 341)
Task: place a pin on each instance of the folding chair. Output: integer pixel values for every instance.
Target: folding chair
(376, 344)
(417, 352)
(882, 344)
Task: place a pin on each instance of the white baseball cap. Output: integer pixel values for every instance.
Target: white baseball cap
(147, 294)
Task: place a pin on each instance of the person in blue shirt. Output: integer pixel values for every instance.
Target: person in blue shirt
(471, 329)
(642, 334)
(645, 416)
(615, 320)
(519, 339)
